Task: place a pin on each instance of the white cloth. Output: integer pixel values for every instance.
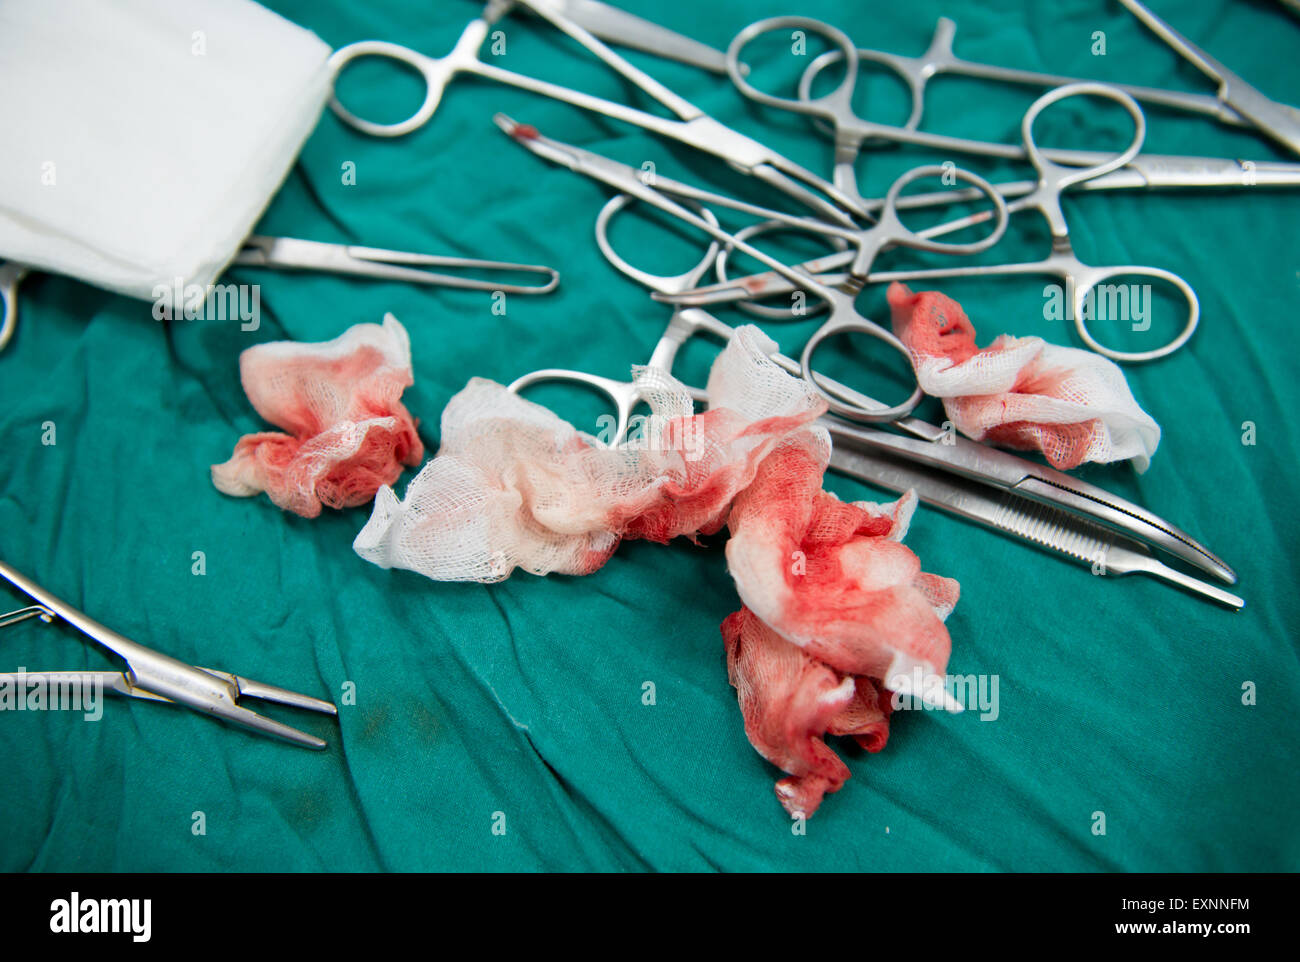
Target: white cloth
(140, 140)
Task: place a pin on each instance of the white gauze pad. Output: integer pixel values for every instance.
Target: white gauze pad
(140, 140)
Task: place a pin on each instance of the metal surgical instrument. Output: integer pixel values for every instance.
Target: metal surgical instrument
(11, 274)
(1080, 279)
(852, 132)
(999, 490)
(294, 254)
(154, 676)
(613, 25)
(694, 127)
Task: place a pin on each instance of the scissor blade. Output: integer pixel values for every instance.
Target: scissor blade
(628, 30)
(577, 159)
(1278, 121)
(1047, 527)
(1001, 469)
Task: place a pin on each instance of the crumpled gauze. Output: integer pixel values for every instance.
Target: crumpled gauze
(835, 606)
(1021, 392)
(790, 701)
(515, 486)
(340, 401)
(143, 138)
(836, 611)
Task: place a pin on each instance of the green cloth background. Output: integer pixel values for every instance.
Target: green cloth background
(1121, 696)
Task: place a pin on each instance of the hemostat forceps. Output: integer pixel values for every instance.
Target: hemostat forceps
(291, 253)
(157, 677)
(294, 254)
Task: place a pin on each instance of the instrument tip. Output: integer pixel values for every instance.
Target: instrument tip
(516, 130)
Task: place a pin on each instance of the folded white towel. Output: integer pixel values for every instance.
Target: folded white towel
(140, 140)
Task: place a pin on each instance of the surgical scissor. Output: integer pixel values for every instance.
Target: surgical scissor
(153, 676)
(684, 324)
(1241, 102)
(844, 317)
(1081, 280)
(851, 132)
(1037, 504)
(695, 128)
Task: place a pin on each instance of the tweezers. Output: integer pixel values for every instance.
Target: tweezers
(1035, 503)
(1005, 492)
(294, 254)
(153, 676)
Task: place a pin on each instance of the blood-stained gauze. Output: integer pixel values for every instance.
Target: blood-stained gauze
(1021, 392)
(515, 486)
(833, 577)
(790, 701)
(340, 402)
(837, 610)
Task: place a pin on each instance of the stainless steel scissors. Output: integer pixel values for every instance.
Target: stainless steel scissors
(153, 676)
(1080, 279)
(851, 132)
(1241, 103)
(695, 128)
(684, 324)
(1037, 504)
(844, 316)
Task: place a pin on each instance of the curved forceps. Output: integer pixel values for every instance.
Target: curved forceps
(695, 128)
(889, 231)
(840, 296)
(995, 488)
